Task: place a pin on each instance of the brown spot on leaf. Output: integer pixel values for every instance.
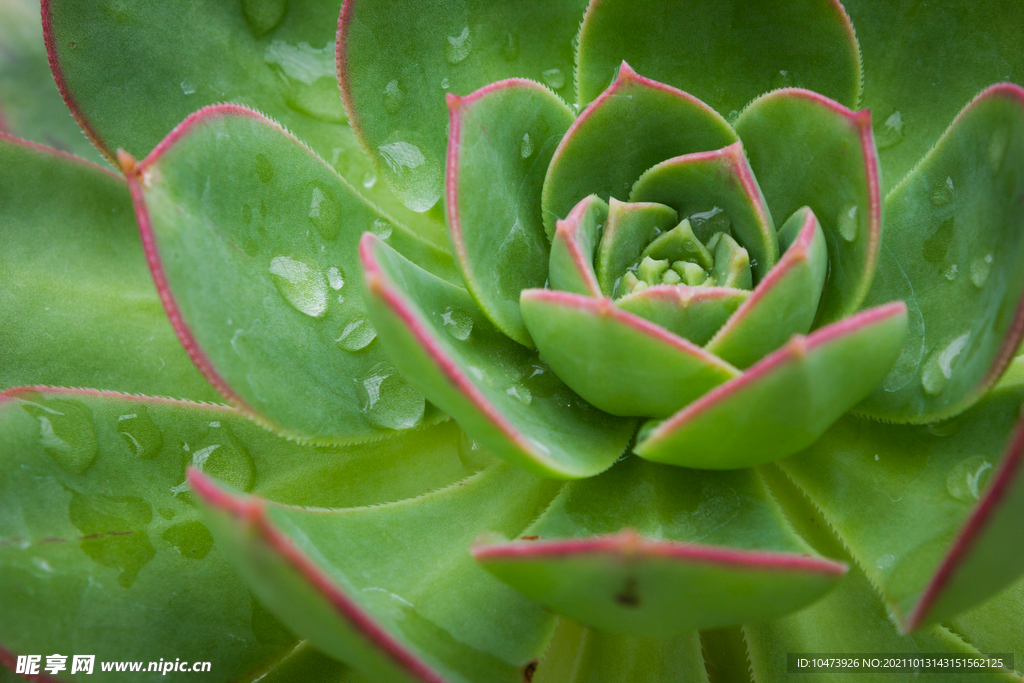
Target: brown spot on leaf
(627, 596)
(531, 537)
(529, 670)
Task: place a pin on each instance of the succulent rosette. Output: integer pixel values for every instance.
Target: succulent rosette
(634, 349)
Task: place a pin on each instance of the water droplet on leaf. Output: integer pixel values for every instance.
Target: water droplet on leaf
(942, 193)
(187, 87)
(113, 532)
(389, 401)
(938, 369)
(369, 179)
(526, 146)
(966, 481)
(381, 228)
(264, 169)
(66, 432)
(981, 267)
(263, 15)
(140, 434)
(848, 223)
(301, 286)
(410, 174)
(445, 83)
(520, 393)
(324, 210)
(192, 539)
(302, 62)
(355, 333)
(457, 47)
(554, 78)
(457, 323)
(950, 273)
(225, 458)
(510, 48)
(335, 278)
(393, 96)
(890, 132)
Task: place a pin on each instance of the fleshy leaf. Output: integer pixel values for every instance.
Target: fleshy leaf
(102, 550)
(500, 142)
(725, 54)
(969, 46)
(581, 655)
(77, 304)
(807, 150)
(693, 313)
(952, 535)
(786, 401)
(721, 180)
(866, 626)
(130, 73)
(629, 230)
(784, 303)
(30, 105)
(634, 124)
(255, 261)
(363, 586)
(954, 245)
(497, 390)
(393, 81)
(572, 249)
(650, 550)
(615, 360)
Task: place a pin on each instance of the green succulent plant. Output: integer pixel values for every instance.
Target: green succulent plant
(628, 350)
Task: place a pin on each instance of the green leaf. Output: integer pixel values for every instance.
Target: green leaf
(986, 624)
(576, 239)
(502, 138)
(30, 105)
(77, 304)
(954, 244)
(650, 550)
(618, 362)
(102, 550)
(786, 401)
(255, 257)
(950, 493)
(725, 54)
(721, 180)
(581, 655)
(807, 150)
(924, 61)
(865, 625)
(390, 589)
(784, 302)
(131, 72)
(634, 124)
(497, 390)
(394, 80)
(630, 228)
(693, 313)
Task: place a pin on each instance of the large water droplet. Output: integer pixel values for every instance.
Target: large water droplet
(355, 333)
(387, 400)
(225, 458)
(554, 78)
(113, 532)
(942, 193)
(890, 132)
(187, 87)
(301, 286)
(381, 228)
(938, 369)
(966, 481)
(324, 210)
(951, 272)
(369, 179)
(937, 246)
(526, 146)
(302, 62)
(848, 223)
(458, 47)
(520, 393)
(140, 434)
(192, 539)
(263, 15)
(457, 323)
(394, 95)
(66, 432)
(885, 561)
(474, 457)
(412, 177)
(335, 278)
(981, 267)
(510, 48)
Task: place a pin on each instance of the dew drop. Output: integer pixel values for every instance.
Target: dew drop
(187, 87)
(445, 83)
(301, 286)
(412, 177)
(302, 62)
(554, 78)
(938, 369)
(192, 539)
(335, 278)
(225, 458)
(520, 393)
(885, 561)
(355, 333)
(942, 193)
(324, 210)
(369, 179)
(381, 228)
(66, 432)
(946, 427)
(457, 323)
(890, 132)
(474, 457)
(733, 116)
(951, 272)
(510, 48)
(998, 144)
(966, 481)
(393, 96)
(526, 146)
(457, 48)
(387, 400)
(140, 434)
(263, 15)
(848, 223)
(981, 267)
(783, 79)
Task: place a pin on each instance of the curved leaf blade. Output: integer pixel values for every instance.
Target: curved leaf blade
(724, 54)
(618, 362)
(501, 139)
(693, 313)
(571, 267)
(634, 124)
(497, 390)
(630, 228)
(953, 248)
(792, 136)
(809, 383)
